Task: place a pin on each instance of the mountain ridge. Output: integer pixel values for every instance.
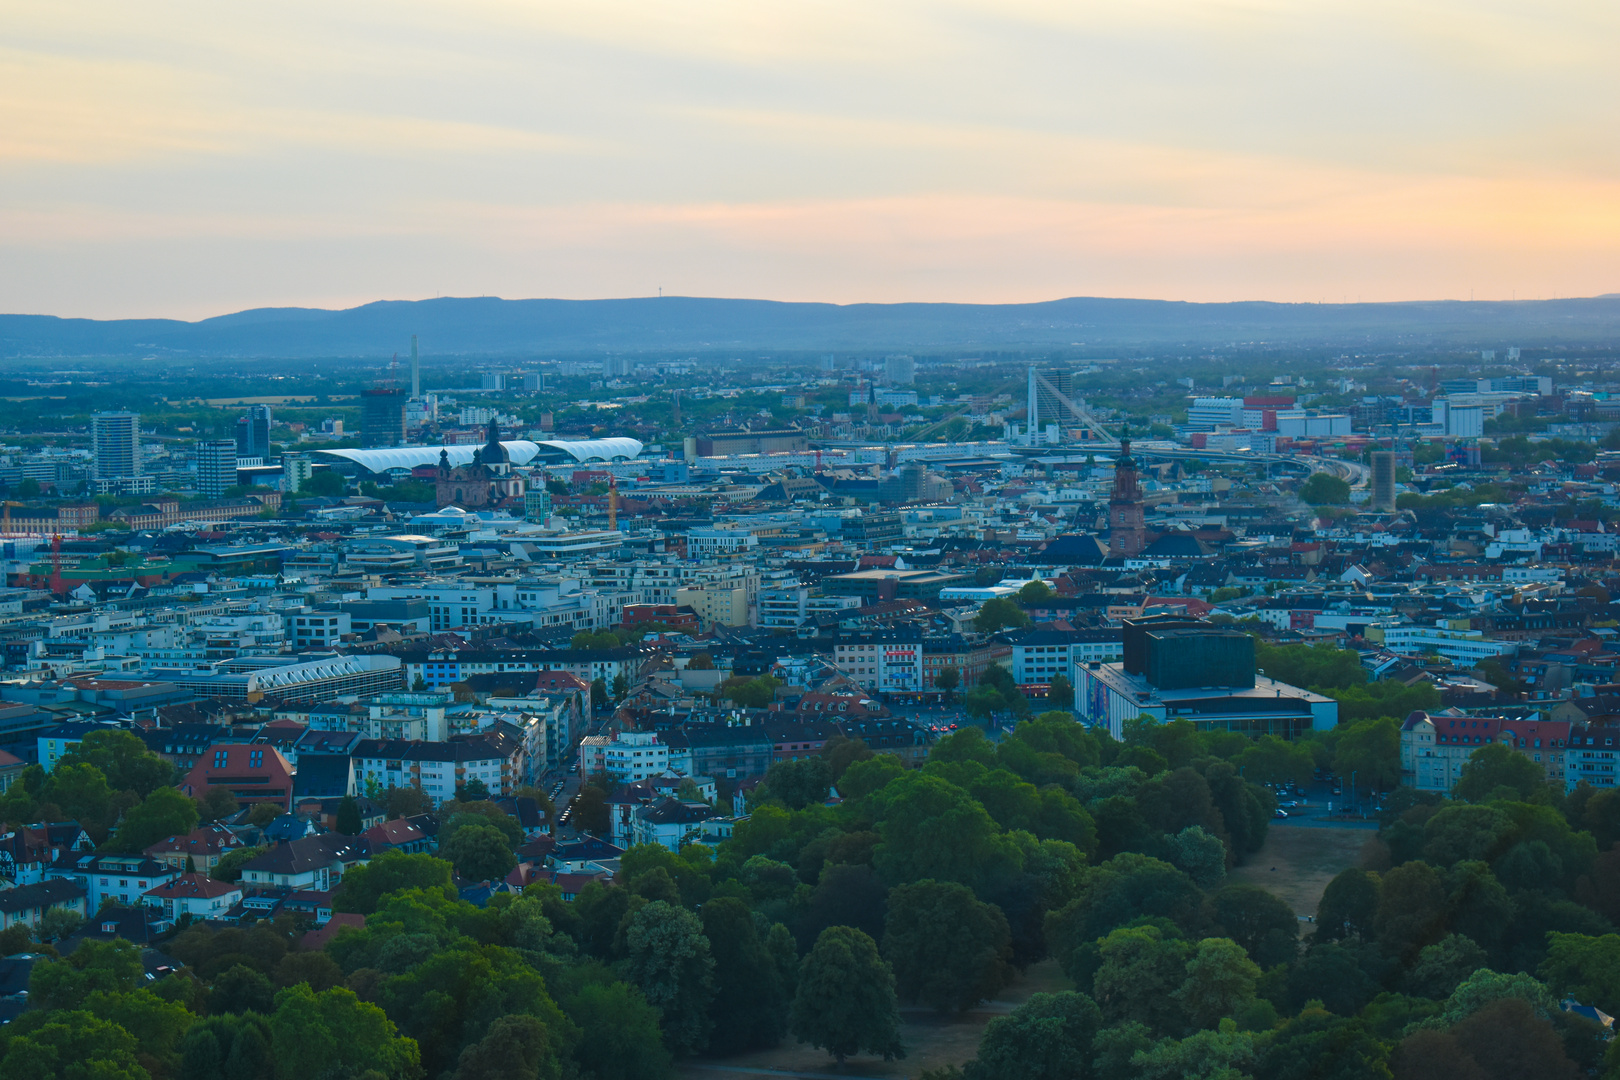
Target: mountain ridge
(492, 326)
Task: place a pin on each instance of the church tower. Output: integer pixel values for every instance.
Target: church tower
(1126, 531)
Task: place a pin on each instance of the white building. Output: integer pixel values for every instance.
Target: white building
(1462, 645)
(1208, 413)
(122, 878)
(630, 756)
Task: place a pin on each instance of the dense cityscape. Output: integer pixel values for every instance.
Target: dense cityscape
(584, 717)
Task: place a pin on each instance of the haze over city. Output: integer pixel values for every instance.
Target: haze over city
(190, 159)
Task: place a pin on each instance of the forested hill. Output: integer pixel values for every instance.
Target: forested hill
(475, 326)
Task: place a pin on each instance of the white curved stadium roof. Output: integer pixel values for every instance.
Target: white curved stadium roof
(521, 451)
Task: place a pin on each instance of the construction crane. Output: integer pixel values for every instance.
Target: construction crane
(613, 504)
(56, 565)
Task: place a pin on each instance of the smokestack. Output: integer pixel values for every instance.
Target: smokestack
(416, 373)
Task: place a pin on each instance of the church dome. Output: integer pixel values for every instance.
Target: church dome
(493, 452)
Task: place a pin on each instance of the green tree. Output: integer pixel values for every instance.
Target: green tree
(217, 802)
(591, 811)
(841, 753)
(1371, 750)
(363, 886)
(317, 969)
(1277, 761)
(82, 793)
(325, 484)
(335, 1033)
(1060, 693)
(1139, 974)
(264, 813)
(514, 1048)
(1324, 489)
(400, 802)
(668, 960)
(1443, 966)
(480, 852)
(621, 686)
(1220, 979)
(123, 759)
(229, 866)
(845, 1001)
(800, 782)
(751, 998)
(947, 949)
(934, 829)
(599, 692)
(241, 989)
(1411, 910)
(1584, 967)
(948, 679)
(447, 998)
(1495, 766)
(112, 967)
(71, 1045)
(1049, 1037)
(1036, 592)
(458, 813)
(1199, 855)
(1000, 613)
(163, 813)
(623, 1040)
(1349, 906)
(348, 816)
(1263, 925)
(752, 693)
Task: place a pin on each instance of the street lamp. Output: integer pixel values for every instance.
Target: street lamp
(1353, 792)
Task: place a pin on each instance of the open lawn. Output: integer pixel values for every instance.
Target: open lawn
(1298, 862)
(931, 1040)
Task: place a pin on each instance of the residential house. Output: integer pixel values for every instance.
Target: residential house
(440, 768)
(668, 822)
(27, 904)
(202, 848)
(124, 879)
(196, 895)
(251, 772)
(28, 852)
(314, 863)
(396, 835)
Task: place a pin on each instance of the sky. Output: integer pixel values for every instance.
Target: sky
(186, 159)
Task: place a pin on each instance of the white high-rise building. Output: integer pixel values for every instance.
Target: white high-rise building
(116, 437)
(216, 466)
(899, 370)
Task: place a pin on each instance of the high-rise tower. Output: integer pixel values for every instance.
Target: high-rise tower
(117, 440)
(1127, 533)
(416, 373)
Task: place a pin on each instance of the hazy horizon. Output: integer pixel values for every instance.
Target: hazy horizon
(194, 160)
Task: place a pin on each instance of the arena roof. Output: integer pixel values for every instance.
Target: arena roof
(521, 451)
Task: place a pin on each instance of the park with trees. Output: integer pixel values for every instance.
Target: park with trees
(822, 920)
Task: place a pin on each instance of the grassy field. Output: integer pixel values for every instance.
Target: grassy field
(1298, 861)
(931, 1040)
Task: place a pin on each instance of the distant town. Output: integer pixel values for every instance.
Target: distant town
(696, 684)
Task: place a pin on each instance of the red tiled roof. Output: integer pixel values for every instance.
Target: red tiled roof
(193, 886)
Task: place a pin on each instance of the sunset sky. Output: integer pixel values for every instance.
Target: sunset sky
(188, 159)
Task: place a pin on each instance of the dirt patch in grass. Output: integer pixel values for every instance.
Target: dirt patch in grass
(1298, 861)
(931, 1040)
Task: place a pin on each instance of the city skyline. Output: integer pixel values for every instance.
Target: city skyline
(193, 161)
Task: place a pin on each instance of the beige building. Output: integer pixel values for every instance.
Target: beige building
(716, 605)
(1434, 748)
